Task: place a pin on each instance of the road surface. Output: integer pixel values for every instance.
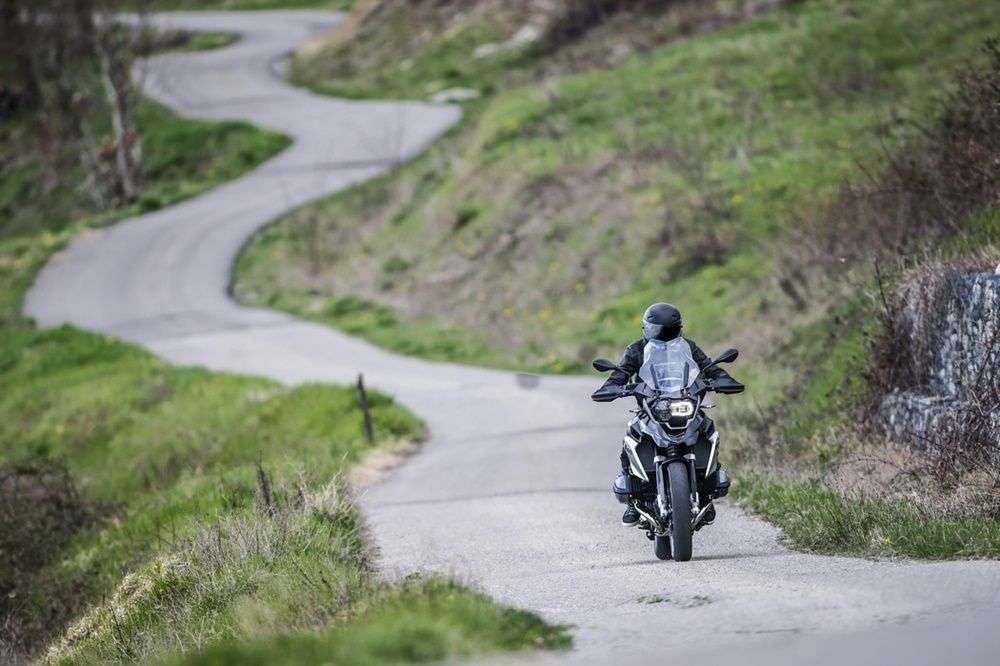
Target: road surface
(511, 492)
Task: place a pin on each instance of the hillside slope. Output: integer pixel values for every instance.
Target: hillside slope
(534, 235)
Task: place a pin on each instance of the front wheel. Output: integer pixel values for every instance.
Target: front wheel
(680, 505)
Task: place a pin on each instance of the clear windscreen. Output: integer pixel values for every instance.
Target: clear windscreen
(668, 366)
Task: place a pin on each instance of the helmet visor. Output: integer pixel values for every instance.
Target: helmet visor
(650, 330)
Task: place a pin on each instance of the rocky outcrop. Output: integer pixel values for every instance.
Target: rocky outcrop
(953, 321)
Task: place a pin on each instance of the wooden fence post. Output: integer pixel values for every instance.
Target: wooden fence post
(365, 409)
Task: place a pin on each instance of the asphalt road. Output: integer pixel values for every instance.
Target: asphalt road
(511, 493)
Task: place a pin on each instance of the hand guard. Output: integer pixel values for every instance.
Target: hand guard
(607, 393)
(727, 385)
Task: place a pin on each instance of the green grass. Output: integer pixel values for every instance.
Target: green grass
(817, 519)
(182, 158)
(418, 621)
(832, 356)
(373, 66)
(980, 233)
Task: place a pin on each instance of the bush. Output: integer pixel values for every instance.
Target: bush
(930, 187)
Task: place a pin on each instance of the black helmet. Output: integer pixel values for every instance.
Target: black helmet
(662, 321)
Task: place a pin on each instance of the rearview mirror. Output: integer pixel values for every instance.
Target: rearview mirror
(727, 356)
(604, 365)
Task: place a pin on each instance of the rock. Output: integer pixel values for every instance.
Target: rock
(964, 357)
(487, 50)
(969, 342)
(450, 95)
(528, 34)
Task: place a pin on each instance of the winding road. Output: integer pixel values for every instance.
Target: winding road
(511, 492)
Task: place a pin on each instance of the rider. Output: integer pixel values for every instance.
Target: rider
(662, 321)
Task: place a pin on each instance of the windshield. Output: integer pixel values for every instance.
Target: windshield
(668, 366)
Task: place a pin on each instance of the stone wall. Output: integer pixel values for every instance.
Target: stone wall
(954, 323)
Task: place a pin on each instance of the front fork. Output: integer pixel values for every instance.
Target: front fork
(663, 488)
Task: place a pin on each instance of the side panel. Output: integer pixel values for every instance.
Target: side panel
(646, 452)
(703, 450)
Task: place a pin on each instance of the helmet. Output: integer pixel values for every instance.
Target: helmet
(662, 321)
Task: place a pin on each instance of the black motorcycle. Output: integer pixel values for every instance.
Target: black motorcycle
(672, 446)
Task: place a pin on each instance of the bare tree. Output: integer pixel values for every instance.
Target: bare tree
(69, 64)
(115, 48)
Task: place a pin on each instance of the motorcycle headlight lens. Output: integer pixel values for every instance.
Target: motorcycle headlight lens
(661, 409)
(682, 408)
(666, 409)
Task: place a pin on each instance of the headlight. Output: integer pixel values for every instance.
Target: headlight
(666, 409)
(682, 408)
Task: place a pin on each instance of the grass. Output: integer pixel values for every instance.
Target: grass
(182, 159)
(817, 519)
(832, 354)
(391, 61)
(418, 621)
(198, 509)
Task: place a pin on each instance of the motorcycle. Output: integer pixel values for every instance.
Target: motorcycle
(671, 444)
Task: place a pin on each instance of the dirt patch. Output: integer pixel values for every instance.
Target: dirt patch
(40, 510)
(379, 463)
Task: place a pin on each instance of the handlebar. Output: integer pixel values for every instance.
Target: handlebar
(612, 392)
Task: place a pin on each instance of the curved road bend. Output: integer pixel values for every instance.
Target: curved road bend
(511, 493)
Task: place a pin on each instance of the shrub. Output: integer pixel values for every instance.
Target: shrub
(930, 187)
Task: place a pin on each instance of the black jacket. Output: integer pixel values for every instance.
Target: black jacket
(633, 357)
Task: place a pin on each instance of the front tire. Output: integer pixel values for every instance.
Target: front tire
(680, 505)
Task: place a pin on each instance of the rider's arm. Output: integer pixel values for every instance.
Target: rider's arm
(630, 363)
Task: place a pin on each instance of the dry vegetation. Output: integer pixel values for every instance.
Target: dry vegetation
(934, 188)
(931, 215)
(929, 188)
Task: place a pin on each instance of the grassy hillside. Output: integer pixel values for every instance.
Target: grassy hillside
(149, 512)
(416, 49)
(543, 225)
(699, 168)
